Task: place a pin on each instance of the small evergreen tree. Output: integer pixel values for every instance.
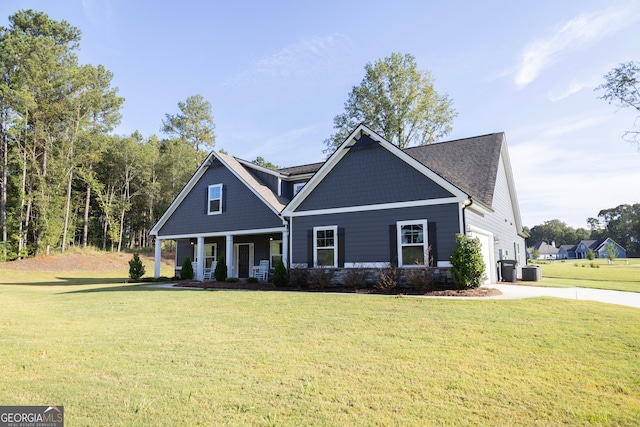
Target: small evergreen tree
(280, 278)
(467, 265)
(220, 273)
(187, 270)
(591, 255)
(136, 267)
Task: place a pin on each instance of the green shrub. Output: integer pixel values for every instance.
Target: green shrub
(232, 280)
(467, 265)
(220, 273)
(187, 270)
(136, 268)
(252, 280)
(280, 277)
(590, 255)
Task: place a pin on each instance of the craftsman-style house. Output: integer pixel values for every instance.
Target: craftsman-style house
(370, 204)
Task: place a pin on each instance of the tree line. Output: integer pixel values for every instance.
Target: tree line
(65, 178)
(622, 224)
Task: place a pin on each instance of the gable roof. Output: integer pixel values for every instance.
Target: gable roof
(276, 202)
(272, 200)
(471, 164)
(348, 143)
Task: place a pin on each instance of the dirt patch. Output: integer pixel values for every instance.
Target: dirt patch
(264, 286)
(90, 261)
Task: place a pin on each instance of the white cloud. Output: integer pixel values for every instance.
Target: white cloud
(306, 59)
(568, 170)
(574, 87)
(575, 33)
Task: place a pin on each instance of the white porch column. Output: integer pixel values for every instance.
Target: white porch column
(157, 258)
(228, 257)
(199, 273)
(285, 248)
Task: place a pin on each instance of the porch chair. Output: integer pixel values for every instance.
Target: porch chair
(208, 272)
(263, 270)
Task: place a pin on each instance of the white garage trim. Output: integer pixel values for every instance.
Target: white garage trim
(488, 252)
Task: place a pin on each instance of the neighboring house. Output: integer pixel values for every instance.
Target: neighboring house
(368, 205)
(545, 250)
(598, 247)
(562, 252)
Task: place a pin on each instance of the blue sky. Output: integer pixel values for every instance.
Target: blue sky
(277, 72)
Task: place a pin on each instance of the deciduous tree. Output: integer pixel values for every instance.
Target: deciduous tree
(398, 101)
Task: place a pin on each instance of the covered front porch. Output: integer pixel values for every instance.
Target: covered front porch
(243, 251)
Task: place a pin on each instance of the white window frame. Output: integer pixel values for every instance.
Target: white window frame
(213, 257)
(424, 244)
(297, 187)
(209, 199)
(333, 228)
(272, 253)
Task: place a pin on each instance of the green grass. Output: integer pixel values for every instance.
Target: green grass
(117, 354)
(620, 275)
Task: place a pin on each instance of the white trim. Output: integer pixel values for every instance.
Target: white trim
(258, 167)
(366, 264)
(333, 228)
(490, 267)
(225, 233)
(341, 151)
(297, 187)
(281, 254)
(444, 264)
(425, 240)
(183, 194)
(381, 206)
(209, 199)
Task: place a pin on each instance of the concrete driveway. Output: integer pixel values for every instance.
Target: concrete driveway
(630, 299)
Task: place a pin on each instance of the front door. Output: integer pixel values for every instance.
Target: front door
(243, 259)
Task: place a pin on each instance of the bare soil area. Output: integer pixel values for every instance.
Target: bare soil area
(90, 261)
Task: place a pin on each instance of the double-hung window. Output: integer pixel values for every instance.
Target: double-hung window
(214, 195)
(325, 246)
(412, 243)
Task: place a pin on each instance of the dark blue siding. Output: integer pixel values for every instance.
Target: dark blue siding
(267, 179)
(242, 210)
(369, 174)
(370, 236)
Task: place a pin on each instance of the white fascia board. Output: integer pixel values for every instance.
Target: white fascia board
(377, 207)
(181, 196)
(337, 155)
(250, 187)
(479, 208)
(341, 152)
(504, 152)
(225, 233)
(258, 167)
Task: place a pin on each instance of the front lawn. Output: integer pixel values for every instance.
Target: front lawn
(622, 275)
(116, 354)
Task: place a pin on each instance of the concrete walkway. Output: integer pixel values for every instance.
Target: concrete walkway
(629, 299)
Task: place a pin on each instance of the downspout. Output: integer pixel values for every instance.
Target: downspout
(465, 205)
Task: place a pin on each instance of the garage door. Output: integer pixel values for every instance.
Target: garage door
(486, 248)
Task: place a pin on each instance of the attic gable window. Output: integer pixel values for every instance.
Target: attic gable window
(214, 204)
(297, 187)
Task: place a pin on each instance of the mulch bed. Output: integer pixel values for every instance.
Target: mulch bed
(264, 286)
